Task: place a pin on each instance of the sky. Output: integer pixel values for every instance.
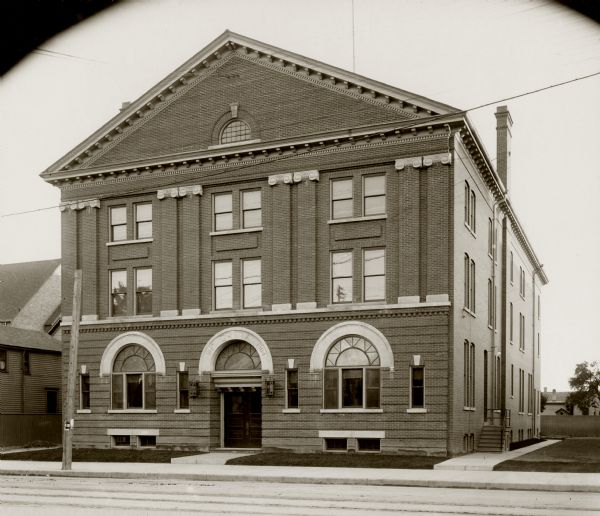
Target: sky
(460, 52)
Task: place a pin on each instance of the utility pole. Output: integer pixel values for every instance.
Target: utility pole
(72, 374)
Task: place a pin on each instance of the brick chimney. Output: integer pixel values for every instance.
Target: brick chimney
(503, 136)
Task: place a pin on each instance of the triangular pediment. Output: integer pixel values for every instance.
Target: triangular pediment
(282, 96)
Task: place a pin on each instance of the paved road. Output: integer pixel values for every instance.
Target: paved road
(87, 496)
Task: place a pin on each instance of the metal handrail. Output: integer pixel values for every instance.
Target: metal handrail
(499, 417)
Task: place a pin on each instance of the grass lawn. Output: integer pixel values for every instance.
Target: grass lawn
(575, 455)
(98, 455)
(337, 460)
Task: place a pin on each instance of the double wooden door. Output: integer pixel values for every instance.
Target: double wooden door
(242, 419)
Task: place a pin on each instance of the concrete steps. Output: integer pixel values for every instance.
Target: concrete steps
(490, 439)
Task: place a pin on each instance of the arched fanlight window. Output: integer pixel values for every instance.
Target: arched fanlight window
(351, 374)
(134, 379)
(235, 131)
(238, 356)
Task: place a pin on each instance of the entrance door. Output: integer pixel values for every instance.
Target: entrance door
(243, 419)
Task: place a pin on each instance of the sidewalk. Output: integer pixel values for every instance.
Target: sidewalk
(576, 482)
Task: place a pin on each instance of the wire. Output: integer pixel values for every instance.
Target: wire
(53, 53)
(408, 124)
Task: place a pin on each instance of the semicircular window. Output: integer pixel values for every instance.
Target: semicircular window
(238, 355)
(134, 379)
(351, 375)
(236, 131)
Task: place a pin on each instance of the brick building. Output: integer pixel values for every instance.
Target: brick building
(277, 253)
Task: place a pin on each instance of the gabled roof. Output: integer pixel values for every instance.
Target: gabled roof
(408, 104)
(28, 339)
(19, 282)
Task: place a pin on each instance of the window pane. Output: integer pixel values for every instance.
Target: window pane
(223, 297)
(342, 290)
(252, 272)
(251, 200)
(374, 262)
(292, 389)
(143, 279)
(119, 233)
(143, 212)
(84, 401)
(331, 389)
(373, 386)
(374, 185)
(252, 295)
(342, 209)
(117, 391)
(341, 189)
(374, 288)
(341, 264)
(222, 274)
(134, 391)
(223, 221)
(150, 387)
(223, 203)
(118, 215)
(144, 302)
(144, 229)
(252, 218)
(119, 281)
(417, 387)
(375, 205)
(235, 131)
(352, 387)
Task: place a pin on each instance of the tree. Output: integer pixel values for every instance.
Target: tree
(586, 386)
(543, 401)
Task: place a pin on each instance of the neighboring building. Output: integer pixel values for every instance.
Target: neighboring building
(277, 253)
(556, 405)
(30, 353)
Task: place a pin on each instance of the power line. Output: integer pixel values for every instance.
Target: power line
(405, 124)
(53, 53)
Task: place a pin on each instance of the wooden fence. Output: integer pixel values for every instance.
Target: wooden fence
(22, 429)
(570, 426)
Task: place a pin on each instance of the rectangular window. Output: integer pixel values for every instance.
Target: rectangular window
(469, 283)
(490, 304)
(143, 220)
(223, 211)
(223, 285)
(118, 223)
(331, 389)
(26, 363)
(352, 388)
(373, 387)
(122, 440)
(183, 391)
(342, 205)
(371, 445)
(84, 391)
(336, 444)
(3, 361)
(251, 209)
(490, 238)
(374, 274)
(512, 271)
(341, 277)
(529, 393)
(469, 374)
(511, 322)
(522, 282)
(373, 195)
(472, 375)
(521, 331)
(292, 388)
(143, 291)
(147, 441)
(417, 390)
(251, 283)
(51, 401)
(473, 211)
(521, 390)
(512, 379)
(470, 207)
(118, 293)
(538, 343)
(133, 391)
(494, 308)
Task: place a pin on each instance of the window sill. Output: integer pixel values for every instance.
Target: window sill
(291, 411)
(182, 411)
(236, 231)
(84, 411)
(351, 411)
(470, 230)
(125, 242)
(357, 219)
(132, 411)
(348, 306)
(469, 409)
(416, 411)
(470, 312)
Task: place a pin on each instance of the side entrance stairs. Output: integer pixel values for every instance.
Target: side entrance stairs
(490, 439)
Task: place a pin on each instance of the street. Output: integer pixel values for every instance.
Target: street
(89, 496)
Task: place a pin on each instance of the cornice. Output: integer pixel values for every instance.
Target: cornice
(79, 205)
(261, 153)
(296, 177)
(181, 191)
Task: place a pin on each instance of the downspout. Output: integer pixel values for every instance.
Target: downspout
(536, 270)
(494, 311)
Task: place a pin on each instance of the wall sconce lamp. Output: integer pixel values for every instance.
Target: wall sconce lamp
(270, 385)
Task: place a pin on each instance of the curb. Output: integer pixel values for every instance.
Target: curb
(462, 484)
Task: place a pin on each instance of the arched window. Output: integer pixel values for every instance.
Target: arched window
(351, 377)
(235, 131)
(238, 356)
(133, 379)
